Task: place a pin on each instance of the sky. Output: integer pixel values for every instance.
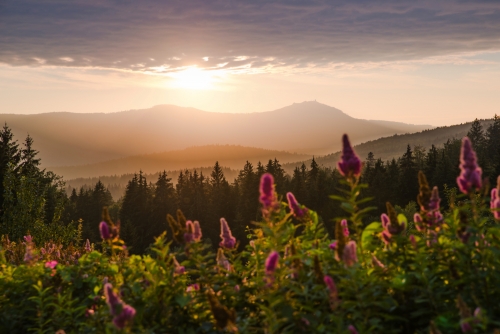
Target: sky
(420, 62)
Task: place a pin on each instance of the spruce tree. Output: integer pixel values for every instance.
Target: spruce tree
(9, 154)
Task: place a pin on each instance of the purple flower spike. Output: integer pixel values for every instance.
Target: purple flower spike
(272, 262)
(267, 194)
(297, 211)
(470, 172)
(465, 326)
(197, 231)
(178, 268)
(345, 229)
(352, 329)
(349, 164)
(228, 241)
(188, 236)
(350, 256)
(127, 314)
(413, 241)
(104, 229)
(111, 298)
(495, 200)
(385, 220)
(434, 200)
(330, 284)
(88, 248)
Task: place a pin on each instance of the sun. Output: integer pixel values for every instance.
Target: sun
(194, 78)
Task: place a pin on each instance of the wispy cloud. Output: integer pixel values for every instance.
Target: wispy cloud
(245, 36)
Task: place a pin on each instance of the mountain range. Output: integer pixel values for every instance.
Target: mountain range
(69, 139)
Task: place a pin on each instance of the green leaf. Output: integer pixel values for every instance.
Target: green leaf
(182, 300)
(402, 219)
(369, 233)
(347, 207)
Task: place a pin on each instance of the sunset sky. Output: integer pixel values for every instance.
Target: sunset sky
(423, 62)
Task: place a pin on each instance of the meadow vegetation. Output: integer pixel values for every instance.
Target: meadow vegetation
(435, 272)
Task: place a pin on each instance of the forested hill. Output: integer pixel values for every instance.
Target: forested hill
(394, 146)
(67, 139)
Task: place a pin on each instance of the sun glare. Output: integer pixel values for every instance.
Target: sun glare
(195, 78)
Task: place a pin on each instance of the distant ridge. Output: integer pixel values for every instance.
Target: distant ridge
(65, 138)
(394, 146)
(229, 156)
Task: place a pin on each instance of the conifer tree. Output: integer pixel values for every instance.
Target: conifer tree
(248, 183)
(408, 177)
(9, 154)
(164, 202)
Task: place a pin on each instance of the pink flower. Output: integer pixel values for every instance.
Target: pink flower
(104, 229)
(28, 238)
(434, 200)
(350, 256)
(295, 207)
(333, 245)
(267, 194)
(352, 329)
(121, 312)
(88, 248)
(272, 262)
(126, 315)
(188, 236)
(349, 164)
(112, 298)
(197, 231)
(228, 241)
(330, 284)
(345, 229)
(222, 260)
(413, 241)
(51, 264)
(178, 268)
(470, 172)
(495, 201)
(390, 228)
(193, 287)
(465, 326)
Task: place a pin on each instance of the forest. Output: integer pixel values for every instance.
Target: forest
(143, 208)
(434, 272)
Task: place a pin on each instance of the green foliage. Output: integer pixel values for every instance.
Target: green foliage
(32, 200)
(400, 286)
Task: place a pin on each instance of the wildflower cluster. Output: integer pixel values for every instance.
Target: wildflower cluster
(388, 276)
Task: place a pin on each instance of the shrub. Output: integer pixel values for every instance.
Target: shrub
(438, 273)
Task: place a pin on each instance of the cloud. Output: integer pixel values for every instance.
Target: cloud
(246, 36)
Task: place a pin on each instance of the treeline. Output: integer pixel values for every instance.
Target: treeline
(207, 198)
(31, 199)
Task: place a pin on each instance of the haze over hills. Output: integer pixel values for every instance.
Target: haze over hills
(395, 146)
(230, 156)
(385, 148)
(66, 139)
